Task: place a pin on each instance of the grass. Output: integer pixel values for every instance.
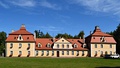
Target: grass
(58, 62)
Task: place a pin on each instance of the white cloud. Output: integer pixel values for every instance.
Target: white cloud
(3, 5)
(107, 6)
(24, 3)
(49, 5)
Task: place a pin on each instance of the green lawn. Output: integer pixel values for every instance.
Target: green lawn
(58, 62)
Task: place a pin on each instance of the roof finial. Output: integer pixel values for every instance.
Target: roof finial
(96, 27)
(23, 25)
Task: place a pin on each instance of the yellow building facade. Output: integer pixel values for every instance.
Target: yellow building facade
(22, 43)
(100, 43)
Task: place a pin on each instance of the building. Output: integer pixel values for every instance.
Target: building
(22, 43)
(100, 43)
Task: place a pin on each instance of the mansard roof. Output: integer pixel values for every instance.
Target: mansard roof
(97, 35)
(26, 36)
(21, 31)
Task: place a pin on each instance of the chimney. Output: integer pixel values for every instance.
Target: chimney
(53, 39)
(13, 30)
(34, 35)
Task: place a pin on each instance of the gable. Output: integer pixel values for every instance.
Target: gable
(62, 40)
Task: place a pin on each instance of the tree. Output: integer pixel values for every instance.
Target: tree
(65, 35)
(2, 42)
(47, 35)
(116, 35)
(80, 35)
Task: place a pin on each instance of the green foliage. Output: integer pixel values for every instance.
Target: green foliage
(40, 34)
(116, 35)
(2, 41)
(65, 35)
(80, 35)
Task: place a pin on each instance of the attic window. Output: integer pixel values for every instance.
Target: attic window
(75, 45)
(48, 45)
(102, 39)
(27, 38)
(93, 37)
(20, 38)
(62, 40)
(39, 45)
(14, 37)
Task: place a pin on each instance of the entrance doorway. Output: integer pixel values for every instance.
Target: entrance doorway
(57, 53)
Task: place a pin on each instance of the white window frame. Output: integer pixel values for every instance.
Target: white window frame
(110, 45)
(62, 52)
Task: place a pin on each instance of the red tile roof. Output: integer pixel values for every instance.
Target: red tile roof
(96, 36)
(21, 31)
(27, 36)
(45, 41)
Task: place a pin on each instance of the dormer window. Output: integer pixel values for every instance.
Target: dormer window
(20, 38)
(48, 45)
(75, 46)
(27, 38)
(14, 37)
(39, 45)
(102, 39)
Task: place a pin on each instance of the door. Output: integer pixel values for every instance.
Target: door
(57, 53)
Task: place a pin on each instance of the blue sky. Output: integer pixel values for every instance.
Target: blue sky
(59, 16)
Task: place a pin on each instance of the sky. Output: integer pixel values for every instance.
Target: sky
(59, 16)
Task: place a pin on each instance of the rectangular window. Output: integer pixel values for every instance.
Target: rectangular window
(67, 52)
(62, 45)
(77, 53)
(72, 52)
(57, 45)
(95, 45)
(11, 45)
(110, 45)
(28, 52)
(11, 52)
(95, 52)
(20, 45)
(82, 52)
(36, 52)
(67, 45)
(101, 52)
(28, 44)
(62, 52)
(110, 52)
(20, 52)
(101, 45)
(47, 52)
(52, 52)
(42, 52)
